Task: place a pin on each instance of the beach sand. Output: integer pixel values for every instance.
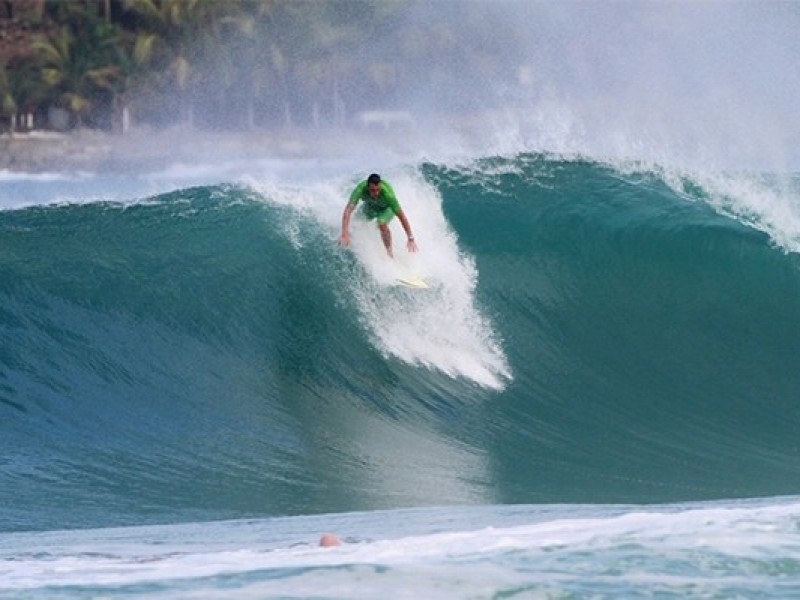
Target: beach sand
(147, 149)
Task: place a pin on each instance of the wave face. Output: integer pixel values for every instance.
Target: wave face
(592, 335)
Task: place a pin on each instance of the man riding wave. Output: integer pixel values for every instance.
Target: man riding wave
(380, 203)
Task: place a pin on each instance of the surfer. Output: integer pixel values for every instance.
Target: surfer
(379, 203)
(329, 540)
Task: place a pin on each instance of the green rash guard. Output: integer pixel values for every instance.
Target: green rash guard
(384, 207)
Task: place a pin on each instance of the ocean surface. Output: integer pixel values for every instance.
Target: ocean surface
(597, 397)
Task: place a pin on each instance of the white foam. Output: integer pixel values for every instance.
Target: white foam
(441, 328)
(648, 544)
(771, 205)
(19, 176)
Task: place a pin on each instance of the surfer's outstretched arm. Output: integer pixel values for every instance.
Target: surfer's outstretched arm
(344, 240)
(411, 244)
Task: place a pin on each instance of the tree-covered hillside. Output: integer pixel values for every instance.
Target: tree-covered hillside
(241, 64)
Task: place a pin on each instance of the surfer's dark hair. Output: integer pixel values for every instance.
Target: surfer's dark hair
(374, 178)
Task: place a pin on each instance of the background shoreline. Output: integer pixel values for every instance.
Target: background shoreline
(145, 149)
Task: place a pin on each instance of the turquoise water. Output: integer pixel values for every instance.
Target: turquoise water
(597, 396)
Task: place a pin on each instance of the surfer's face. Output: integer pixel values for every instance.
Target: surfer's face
(374, 189)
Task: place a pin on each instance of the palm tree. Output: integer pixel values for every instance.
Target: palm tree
(18, 91)
(78, 66)
(132, 75)
(186, 32)
(291, 35)
(313, 49)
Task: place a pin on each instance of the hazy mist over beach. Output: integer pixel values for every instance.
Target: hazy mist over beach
(709, 85)
(714, 82)
(709, 82)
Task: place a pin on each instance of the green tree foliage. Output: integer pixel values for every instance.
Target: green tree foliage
(77, 61)
(194, 41)
(132, 74)
(20, 90)
(245, 63)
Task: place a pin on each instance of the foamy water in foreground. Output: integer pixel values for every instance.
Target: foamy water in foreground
(713, 550)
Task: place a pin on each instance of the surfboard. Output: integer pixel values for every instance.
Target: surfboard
(405, 275)
(412, 281)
